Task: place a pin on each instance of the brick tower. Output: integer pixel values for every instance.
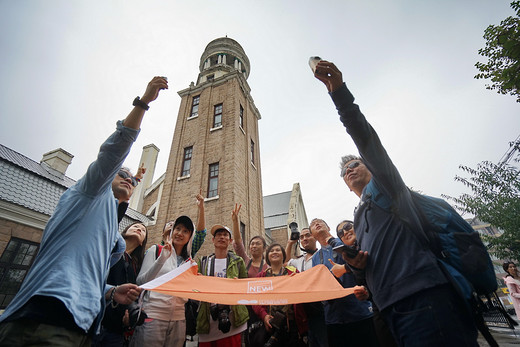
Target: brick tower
(215, 147)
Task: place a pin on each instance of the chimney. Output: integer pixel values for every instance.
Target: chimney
(149, 159)
(58, 160)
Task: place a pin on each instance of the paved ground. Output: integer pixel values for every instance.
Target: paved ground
(505, 337)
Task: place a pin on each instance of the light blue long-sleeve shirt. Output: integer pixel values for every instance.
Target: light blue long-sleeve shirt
(81, 240)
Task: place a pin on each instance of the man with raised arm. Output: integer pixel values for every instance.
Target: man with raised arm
(407, 284)
(62, 299)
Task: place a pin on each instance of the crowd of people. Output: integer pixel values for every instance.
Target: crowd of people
(87, 294)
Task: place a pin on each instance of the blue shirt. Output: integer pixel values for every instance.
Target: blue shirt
(347, 309)
(81, 240)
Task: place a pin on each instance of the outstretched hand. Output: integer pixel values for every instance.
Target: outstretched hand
(200, 199)
(153, 88)
(127, 293)
(140, 172)
(329, 74)
(234, 213)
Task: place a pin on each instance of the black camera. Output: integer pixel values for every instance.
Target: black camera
(136, 315)
(278, 322)
(221, 313)
(295, 234)
(348, 251)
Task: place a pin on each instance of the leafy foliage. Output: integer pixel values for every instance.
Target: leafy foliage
(503, 52)
(495, 199)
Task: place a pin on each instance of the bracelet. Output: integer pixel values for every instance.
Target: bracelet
(140, 103)
(111, 300)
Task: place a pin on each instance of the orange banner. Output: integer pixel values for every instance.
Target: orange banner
(315, 284)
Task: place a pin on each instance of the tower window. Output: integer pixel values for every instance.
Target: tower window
(213, 180)
(217, 118)
(186, 161)
(14, 265)
(210, 77)
(241, 117)
(195, 107)
(252, 152)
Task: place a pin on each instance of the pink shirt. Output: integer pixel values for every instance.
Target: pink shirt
(241, 251)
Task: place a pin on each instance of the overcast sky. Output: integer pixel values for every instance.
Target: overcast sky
(70, 69)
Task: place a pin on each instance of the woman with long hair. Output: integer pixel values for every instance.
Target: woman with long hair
(512, 281)
(256, 263)
(166, 323)
(286, 325)
(116, 321)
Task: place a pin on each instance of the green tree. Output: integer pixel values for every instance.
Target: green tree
(495, 199)
(503, 53)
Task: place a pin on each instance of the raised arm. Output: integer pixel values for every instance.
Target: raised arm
(114, 150)
(200, 230)
(238, 243)
(236, 227)
(201, 221)
(134, 118)
(289, 249)
(365, 137)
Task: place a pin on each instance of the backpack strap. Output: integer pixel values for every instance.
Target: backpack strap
(158, 250)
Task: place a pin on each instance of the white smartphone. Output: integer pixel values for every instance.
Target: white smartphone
(313, 61)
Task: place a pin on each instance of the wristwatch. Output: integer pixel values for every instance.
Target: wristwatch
(139, 103)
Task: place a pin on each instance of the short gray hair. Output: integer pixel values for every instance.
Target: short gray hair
(346, 158)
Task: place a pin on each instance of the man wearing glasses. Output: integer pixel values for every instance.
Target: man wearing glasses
(62, 299)
(408, 286)
(348, 320)
(307, 245)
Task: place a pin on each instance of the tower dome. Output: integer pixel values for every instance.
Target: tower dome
(224, 55)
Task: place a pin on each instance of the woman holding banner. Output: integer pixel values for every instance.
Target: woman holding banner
(286, 325)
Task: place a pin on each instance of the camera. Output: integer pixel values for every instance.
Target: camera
(295, 234)
(278, 322)
(348, 251)
(136, 315)
(221, 313)
(313, 61)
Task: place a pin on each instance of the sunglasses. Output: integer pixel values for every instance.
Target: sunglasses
(125, 174)
(352, 166)
(348, 226)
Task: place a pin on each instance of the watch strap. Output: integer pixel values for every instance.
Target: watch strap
(140, 103)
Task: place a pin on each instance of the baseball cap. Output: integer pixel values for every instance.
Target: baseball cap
(218, 227)
(186, 221)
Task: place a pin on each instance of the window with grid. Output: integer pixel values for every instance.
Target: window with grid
(186, 161)
(241, 117)
(14, 264)
(252, 152)
(195, 107)
(217, 118)
(213, 180)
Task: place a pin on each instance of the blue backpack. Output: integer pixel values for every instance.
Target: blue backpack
(458, 247)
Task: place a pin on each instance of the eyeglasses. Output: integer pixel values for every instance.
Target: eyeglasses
(125, 174)
(352, 166)
(346, 227)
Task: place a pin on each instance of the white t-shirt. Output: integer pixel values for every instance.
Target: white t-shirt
(214, 332)
(300, 263)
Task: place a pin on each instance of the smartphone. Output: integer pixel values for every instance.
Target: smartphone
(313, 61)
(350, 252)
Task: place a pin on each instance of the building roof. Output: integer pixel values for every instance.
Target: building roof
(276, 209)
(36, 186)
(30, 184)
